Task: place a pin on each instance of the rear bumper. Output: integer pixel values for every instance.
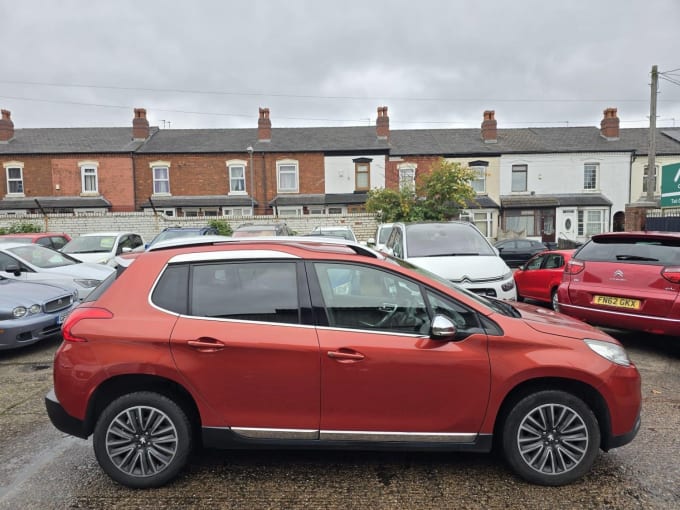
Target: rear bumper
(623, 320)
(61, 419)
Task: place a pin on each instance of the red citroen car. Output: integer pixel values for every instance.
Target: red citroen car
(626, 280)
(315, 343)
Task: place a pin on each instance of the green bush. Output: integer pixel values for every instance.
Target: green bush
(20, 228)
(223, 227)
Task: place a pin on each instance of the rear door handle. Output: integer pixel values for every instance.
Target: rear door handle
(340, 355)
(206, 344)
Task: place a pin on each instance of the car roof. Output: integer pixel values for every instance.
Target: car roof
(34, 234)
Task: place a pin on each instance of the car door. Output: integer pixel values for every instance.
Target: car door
(244, 348)
(530, 282)
(381, 374)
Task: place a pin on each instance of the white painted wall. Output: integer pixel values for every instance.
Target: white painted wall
(339, 172)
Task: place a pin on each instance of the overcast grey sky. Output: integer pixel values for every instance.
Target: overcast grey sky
(434, 63)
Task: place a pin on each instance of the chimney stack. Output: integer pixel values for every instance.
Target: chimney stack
(382, 124)
(6, 127)
(489, 131)
(264, 126)
(140, 126)
(609, 127)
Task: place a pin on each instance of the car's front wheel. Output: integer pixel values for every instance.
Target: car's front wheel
(142, 439)
(551, 438)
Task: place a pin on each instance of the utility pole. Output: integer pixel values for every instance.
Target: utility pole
(651, 162)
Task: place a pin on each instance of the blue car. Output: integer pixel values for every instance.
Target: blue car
(32, 311)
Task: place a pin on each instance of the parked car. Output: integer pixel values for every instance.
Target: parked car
(54, 240)
(102, 247)
(177, 232)
(32, 311)
(516, 252)
(540, 277)
(454, 250)
(625, 280)
(30, 262)
(300, 342)
(382, 234)
(341, 231)
(262, 230)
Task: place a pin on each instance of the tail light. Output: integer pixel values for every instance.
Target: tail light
(574, 267)
(672, 274)
(78, 315)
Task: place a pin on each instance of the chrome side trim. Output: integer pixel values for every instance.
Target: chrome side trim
(258, 433)
(624, 314)
(410, 437)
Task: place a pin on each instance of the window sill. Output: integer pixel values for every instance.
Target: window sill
(15, 195)
(90, 194)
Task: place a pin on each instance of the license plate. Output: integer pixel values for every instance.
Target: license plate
(62, 317)
(618, 302)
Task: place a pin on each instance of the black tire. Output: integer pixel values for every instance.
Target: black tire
(520, 299)
(553, 300)
(142, 440)
(551, 438)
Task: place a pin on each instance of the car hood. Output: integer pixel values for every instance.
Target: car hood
(550, 322)
(14, 293)
(458, 268)
(100, 257)
(83, 270)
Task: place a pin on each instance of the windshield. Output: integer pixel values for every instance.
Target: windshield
(90, 244)
(384, 234)
(445, 240)
(174, 234)
(334, 232)
(42, 257)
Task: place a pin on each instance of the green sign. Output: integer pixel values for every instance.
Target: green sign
(670, 185)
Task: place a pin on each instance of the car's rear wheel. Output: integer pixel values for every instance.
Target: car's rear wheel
(553, 300)
(142, 439)
(551, 438)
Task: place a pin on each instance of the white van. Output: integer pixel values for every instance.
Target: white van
(454, 250)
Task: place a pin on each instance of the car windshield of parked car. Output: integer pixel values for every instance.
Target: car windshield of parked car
(631, 249)
(90, 244)
(174, 234)
(335, 232)
(446, 240)
(384, 234)
(17, 239)
(41, 257)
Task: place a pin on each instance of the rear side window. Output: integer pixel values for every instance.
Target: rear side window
(171, 291)
(634, 250)
(253, 291)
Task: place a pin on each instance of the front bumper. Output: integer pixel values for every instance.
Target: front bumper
(61, 419)
(623, 439)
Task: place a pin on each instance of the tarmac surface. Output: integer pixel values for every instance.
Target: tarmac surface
(41, 468)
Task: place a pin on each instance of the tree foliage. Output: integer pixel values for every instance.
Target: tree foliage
(439, 195)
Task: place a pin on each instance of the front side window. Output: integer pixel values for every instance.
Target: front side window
(88, 179)
(519, 178)
(359, 297)
(161, 180)
(590, 176)
(287, 177)
(15, 179)
(237, 179)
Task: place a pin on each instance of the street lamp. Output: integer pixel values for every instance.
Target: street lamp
(252, 180)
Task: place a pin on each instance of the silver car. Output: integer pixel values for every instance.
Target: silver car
(32, 311)
(31, 262)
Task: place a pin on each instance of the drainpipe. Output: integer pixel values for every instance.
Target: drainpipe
(46, 219)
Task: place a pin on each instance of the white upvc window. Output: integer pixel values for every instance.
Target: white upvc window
(14, 171)
(289, 211)
(590, 176)
(591, 222)
(89, 180)
(657, 182)
(237, 211)
(519, 178)
(237, 177)
(482, 220)
(407, 177)
(161, 177)
(478, 183)
(315, 209)
(287, 176)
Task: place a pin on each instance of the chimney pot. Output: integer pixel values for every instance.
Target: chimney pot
(6, 126)
(264, 126)
(382, 124)
(140, 125)
(489, 127)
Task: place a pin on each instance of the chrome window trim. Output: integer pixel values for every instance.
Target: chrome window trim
(211, 256)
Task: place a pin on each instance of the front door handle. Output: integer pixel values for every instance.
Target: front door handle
(206, 344)
(342, 355)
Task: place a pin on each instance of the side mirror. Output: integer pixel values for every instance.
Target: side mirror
(442, 329)
(14, 269)
(127, 249)
(521, 267)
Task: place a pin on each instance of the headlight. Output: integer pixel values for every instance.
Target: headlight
(19, 312)
(613, 352)
(87, 282)
(35, 309)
